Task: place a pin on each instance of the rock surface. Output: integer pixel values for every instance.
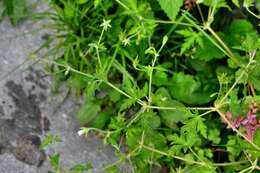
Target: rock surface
(29, 110)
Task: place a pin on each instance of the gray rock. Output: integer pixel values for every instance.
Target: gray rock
(29, 110)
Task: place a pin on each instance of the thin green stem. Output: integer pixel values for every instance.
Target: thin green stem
(215, 35)
(101, 35)
(122, 4)
(174, 108)
(195, 25)
(97, 47)
(200, 12)
(91, 77)
(137, 115)
(237, 80)
(253, 14)
(193, 161)
(168, 22)
(196, 155)
(112, 59)
(98, 57)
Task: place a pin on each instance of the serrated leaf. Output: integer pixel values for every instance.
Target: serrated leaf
(191, 38)
(171, 7)
(233, 146)
(183, 141)
(214, 136)
(127, 103)
(195, 124)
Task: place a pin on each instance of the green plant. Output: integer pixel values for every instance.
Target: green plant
(179, 88)
(15, 9)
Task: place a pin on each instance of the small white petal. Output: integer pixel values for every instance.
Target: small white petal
(81, 132)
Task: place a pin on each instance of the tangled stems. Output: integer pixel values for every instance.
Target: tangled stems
(145, 107)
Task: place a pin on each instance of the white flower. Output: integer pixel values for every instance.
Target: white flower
(81, 132)
(126, 41)
(106, 24)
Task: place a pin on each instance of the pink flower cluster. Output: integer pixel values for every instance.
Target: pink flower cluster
(250, 123)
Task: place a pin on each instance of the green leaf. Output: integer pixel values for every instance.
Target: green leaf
(236, 33)
(170, 117)
(235, 103)
(208, 51)
(165, 39)
(130, 3)
(248, 3)
(191, 38)
(127, 103)
(92, 86)
(195, 124)
(171, 7)
(240, 26)
(114, 96)
(69, 10)
(15, 9)
(160, 78)
(236, 2)
(199, 169)
(96, 3)
(88, 112)
(150, 120)
(80, 168)
(257, 137)
(234, 147)
(77, 82)
(101, 120)
(214, 135)
(113, 169)
(81, 1)
(55, 161)
(133, 137)
(251, 42)
(49, 139)
(183, 142)
(188, 90)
